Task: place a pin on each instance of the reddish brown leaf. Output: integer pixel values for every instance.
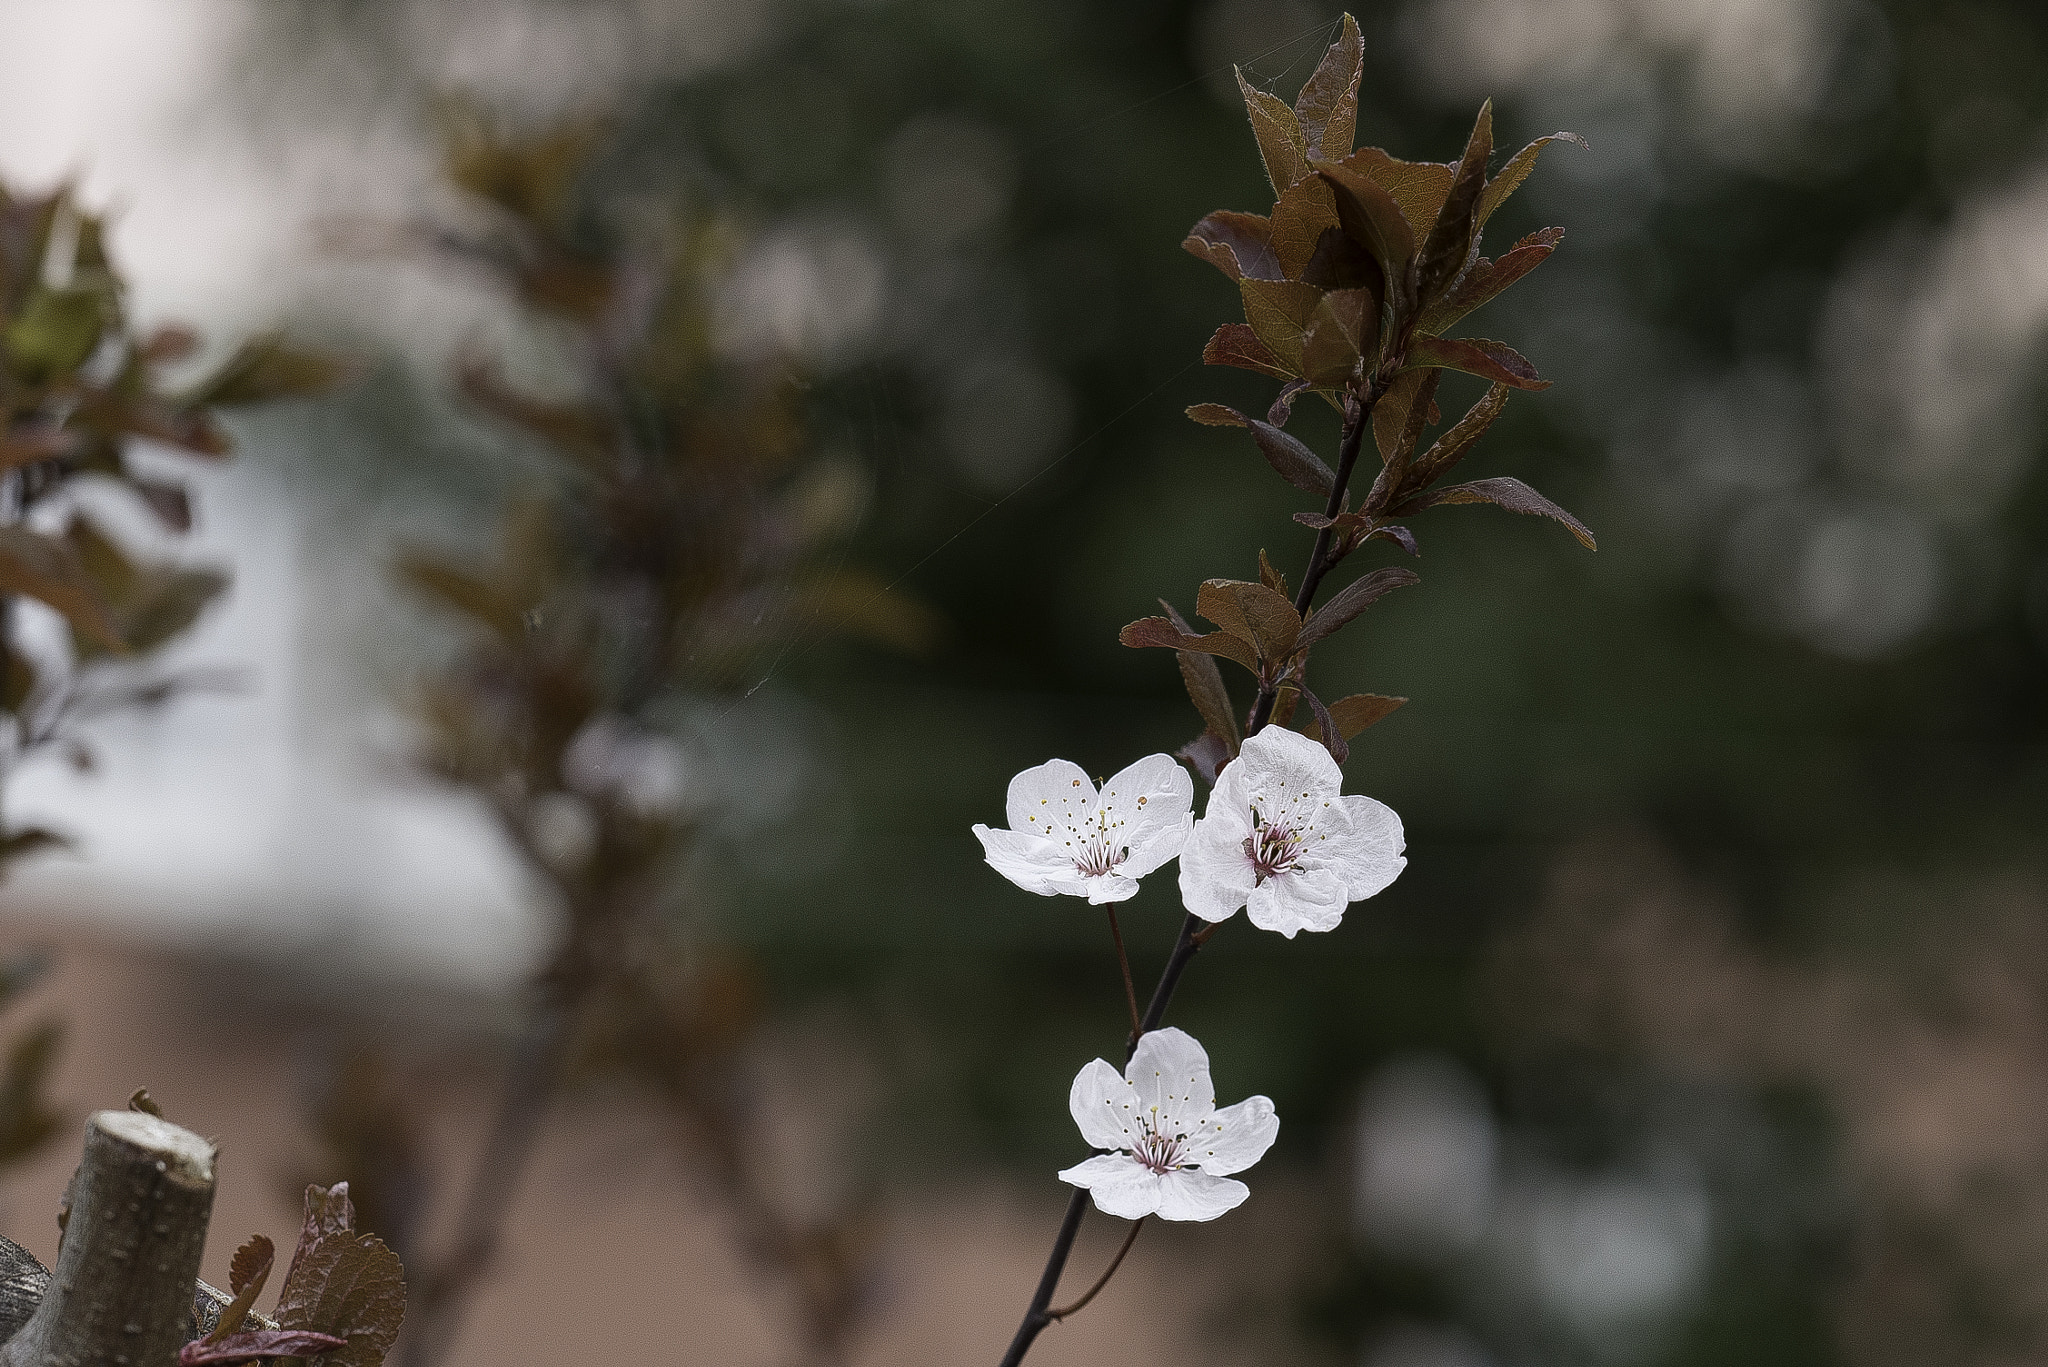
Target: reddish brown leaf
(168, 501)
(1236, 244)
(1418, 187)
(1159, 632)
(1489, 360)
(1252, 613)
(1303, 214)
(246, 1275)
(1503, 492)
(1356, 597)
(1281, 145)
(1204, 682)
(1390, 414)
(1516, 171)
(1328, 104)
(258, 1343)
(1421, 407)
(1360, 710)
(343, 1283)
(1280, 312)
(1397, 534)
(1271, 577)
(1371, 218)
(1338, 263)
(1488, 279)
(1206, 754)
(1216, 415)
(1283, 402)
(1450, 448)
(1449, 244)
(1235, 344)
(1333, 739)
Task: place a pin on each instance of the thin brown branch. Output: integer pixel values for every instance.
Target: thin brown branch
(1123, 962)
(1114, 1263)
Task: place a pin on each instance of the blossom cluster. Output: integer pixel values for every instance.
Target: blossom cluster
(1281, 841)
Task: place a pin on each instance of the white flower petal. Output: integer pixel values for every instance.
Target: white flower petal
(1190, 1195)
(1235, 1137)
(1053, 796)
(1148, 805)
(1370, 858)
(1171, 1074)
(1302, 899)
(1104, 1106)
(1284, 764)
(1033, 864)
(1215, 873)
(1110, 887)
(1121, 1186)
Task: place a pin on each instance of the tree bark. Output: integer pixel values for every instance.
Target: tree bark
(128, 1265)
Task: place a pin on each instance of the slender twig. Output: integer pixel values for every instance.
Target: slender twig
(1123, 961)
(1195, 932)
(1114, 1263)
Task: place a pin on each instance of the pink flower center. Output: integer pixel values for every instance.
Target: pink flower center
(1099, 856)
(1159, 1153)
(1272, 849)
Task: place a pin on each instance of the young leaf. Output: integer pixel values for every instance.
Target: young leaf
(49, 570)
(1280, 312)
(1216, 415)
(1360, 710)
(246, 1275)
(1371, 218)
(1503, 492)
(1487, 279)
(1489, 360)
(1283, 402)
(343, 1283)
(1397, 534)
(1343, 329)
(1516, 171)
(1159, 632)
(1298, 465)
(1328, 104)
(258, 1344)
(1252, 613)
(1390, 414)
(1449, 244)
(1333, 739)
(1204, 683)
(1206, 754)
(1303, 214)
(1281, 144)
(1338, 263)
(167, 501)
(1450, 448)
(1418, 187)
(266, 368)
(1421, 404)
(1271, 577)
(1236, 244)
(1357, 596)
(1235, 344)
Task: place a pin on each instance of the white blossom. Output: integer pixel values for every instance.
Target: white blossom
(1280, 838)
(1171, 1151)
(1066, 837)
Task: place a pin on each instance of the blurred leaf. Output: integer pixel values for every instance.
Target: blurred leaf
(578, 431)
(48, 570)
(1445, 251)
(1450, 447)
(343, 1283)
(1205, 686)
(1298, 465)
(169, 343)
(530, 177)
(1517, 170)
(26, 1117)
(30, 840)
(266, 368)
(1360, 710)
(57, 331)
(468, 593)
(17, 680)
(1235, 344)
(26, 445)
(20, 971)
(1503, 492)
(169, 502)
(1160, 632)
(257, 1344)
(1279, 312)
(246, 1276)
(1253, 613)
(1236, 244)
(1281, 144)
(1489, 360)
(1327, 107)
(1355, 598)
(1206, 754)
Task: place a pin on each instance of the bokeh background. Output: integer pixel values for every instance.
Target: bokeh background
(1709, 1021)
